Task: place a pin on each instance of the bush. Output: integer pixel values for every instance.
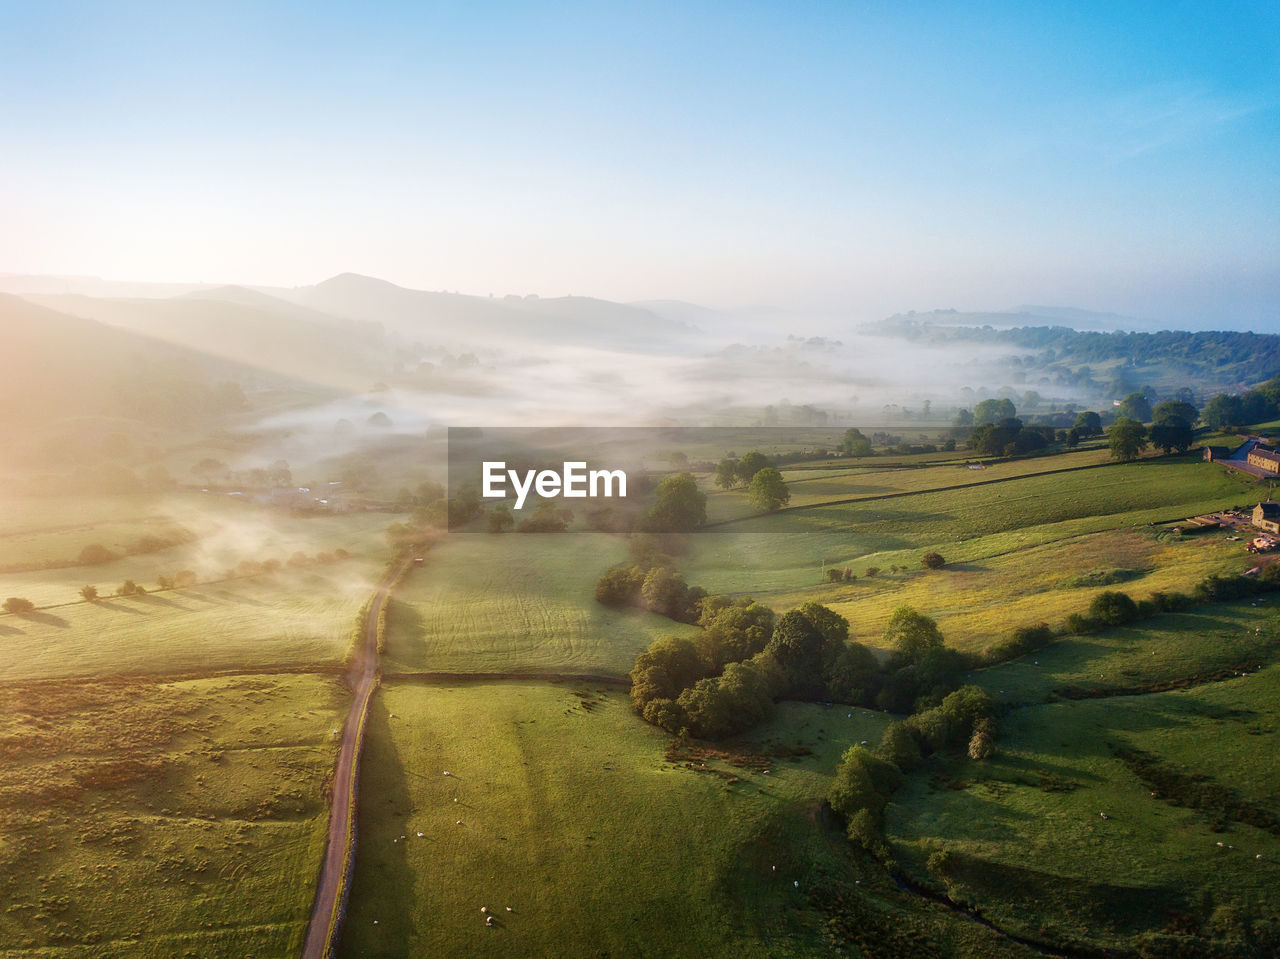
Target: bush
(834, 575)
(90, 593)
(127, 588)
(18, 606)
(1113, 608)
(95, 554)
(620, 586)
(932, 560)
(1078, 625)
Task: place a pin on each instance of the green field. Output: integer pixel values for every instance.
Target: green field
(1011, 547)
(293, 619)
(813, 485)
(569, 812)
(1058, 837)
(178, 819)
(516, 603)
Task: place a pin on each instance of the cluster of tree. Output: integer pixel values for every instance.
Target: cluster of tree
(766, 488)
(651, 584)
(1009, 437)
(1226, 410)
(18, 605)
(866, 779)
(856, 444)
(734, 473)
(1203, 356)
(727, 680)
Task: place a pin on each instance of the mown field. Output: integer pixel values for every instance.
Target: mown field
(174, 819)
(569, 811)
(516, 602)
(1063, 837)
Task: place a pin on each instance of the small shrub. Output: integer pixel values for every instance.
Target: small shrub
(932, 560)
(18, 606)
(90, 593)
(1078, 624)
(1113, 608)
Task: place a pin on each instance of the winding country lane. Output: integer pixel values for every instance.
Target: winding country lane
(335, 873)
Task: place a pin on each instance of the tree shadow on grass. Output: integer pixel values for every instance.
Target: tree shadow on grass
(46, 619)
(406, 633)
(11, 631)
(117, 607)
(383, 882)
(151, 599)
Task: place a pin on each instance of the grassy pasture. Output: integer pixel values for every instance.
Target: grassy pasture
(1025, 837)
(292, 618)
(811, 486)
(179, 819)
(992, 531)
(572, 815)
(980, 601)
(1196, 642)
(516, 603)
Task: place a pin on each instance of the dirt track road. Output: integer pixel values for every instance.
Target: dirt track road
(335, 877)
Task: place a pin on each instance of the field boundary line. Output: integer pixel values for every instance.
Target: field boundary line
(448, 677)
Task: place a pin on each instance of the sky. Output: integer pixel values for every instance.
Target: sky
(847, 157)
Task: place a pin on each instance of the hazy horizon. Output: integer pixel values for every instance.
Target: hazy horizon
(822, 157)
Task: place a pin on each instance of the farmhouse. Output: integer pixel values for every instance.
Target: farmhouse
(1267, 516)
(1265, 458)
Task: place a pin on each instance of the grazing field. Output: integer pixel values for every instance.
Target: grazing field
(1191, 645)
(1104, 820)
(175, 819)
(811, 486)
(570, 812)
(516, 603)
(298, 618)
(992, 537)
(981, 601)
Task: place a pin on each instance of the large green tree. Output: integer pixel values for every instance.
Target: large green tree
(855, 444)
(1088, 423)
(911, 634)
(768, 490)
(1135, 406)
(1128, 438)
(751, 464)
(1171, 410)
(1223, 410)
(1172, 435)
(680, 506)
(993, 411)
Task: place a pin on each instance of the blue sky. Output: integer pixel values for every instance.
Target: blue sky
(860, 158)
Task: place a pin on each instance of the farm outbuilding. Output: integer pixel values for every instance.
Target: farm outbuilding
(1266, 516)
